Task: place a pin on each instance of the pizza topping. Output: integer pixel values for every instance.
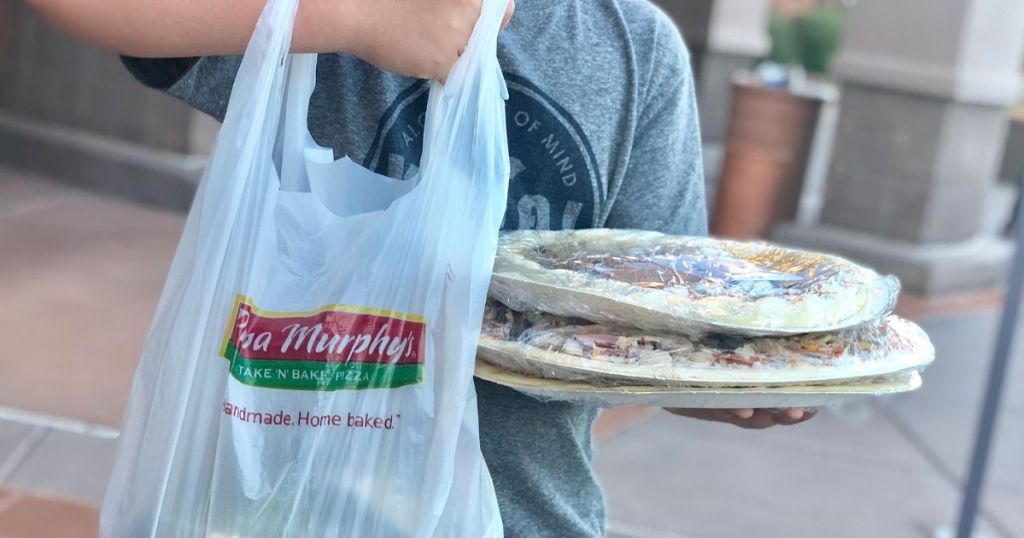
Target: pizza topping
(631, 346)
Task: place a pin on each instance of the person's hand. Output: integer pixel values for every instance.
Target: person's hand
(753, 419)
(420, 38)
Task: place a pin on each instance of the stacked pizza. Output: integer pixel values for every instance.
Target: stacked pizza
(617, 316)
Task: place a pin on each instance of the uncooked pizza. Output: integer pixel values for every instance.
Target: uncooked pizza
(686, 284)
(577, 350)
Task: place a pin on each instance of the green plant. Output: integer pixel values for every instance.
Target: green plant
(785, 49)
(819, 33)
(809, 40)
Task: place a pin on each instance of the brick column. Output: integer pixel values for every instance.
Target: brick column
(925, 85)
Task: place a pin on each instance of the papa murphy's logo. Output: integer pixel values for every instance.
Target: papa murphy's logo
(335, 347)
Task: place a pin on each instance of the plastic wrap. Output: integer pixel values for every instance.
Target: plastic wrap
(576, 350)
(686, 284)
(694, 398)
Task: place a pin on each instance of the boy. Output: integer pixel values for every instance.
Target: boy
(602, 127)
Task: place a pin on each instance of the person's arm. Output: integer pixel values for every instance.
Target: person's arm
(663, 187)
(421, 38)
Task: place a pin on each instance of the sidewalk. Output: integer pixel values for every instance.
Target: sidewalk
(894, 468)
(81, 274)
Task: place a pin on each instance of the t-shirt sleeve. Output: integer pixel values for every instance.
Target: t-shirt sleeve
(204, 83)
(158, 73)
(663, 188)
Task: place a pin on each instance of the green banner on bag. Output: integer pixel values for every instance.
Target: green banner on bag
(301, 375)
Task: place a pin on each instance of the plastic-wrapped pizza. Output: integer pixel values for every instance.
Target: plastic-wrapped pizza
(566, 349)
(686, 285)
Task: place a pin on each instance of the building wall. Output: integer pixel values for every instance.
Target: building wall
(53, 79)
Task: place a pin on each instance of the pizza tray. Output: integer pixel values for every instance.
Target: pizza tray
(705, 398)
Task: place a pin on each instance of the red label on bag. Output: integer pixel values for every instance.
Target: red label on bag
(334, 347)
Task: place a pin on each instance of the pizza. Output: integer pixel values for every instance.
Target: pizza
(686, 284)
(578, 350)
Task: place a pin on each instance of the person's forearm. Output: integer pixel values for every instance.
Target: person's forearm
(421, 38)
(178, 28)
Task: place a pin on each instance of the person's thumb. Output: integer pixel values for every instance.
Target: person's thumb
(743, 414)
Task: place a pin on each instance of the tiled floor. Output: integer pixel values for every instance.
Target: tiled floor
(79, 281)
(13, 436)
(893, 468)
(74, 464)
(80, 275)
(51, 482)
(706, 480)
(24, 515)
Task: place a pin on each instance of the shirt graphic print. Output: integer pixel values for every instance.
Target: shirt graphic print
(554, 184)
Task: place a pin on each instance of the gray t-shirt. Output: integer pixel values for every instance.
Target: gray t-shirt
(603, 132)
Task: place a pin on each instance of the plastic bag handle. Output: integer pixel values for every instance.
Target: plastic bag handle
(253, 111)
(301, 81)
(254, 107)
(295, 135)
(482, 47)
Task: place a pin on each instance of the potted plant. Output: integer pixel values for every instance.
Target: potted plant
(775, 116)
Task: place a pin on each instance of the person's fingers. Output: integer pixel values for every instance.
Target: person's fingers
(509, 11)
(750, 419)
(446, 67)
(443, 73)
(790, 417)
(759, 420)
(786, 421)
(742, 413)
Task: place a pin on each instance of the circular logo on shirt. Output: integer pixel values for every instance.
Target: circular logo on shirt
(554, 182)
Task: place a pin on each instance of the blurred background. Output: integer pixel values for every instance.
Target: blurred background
(891, 132)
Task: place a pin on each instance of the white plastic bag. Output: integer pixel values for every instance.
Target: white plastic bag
(309, 369)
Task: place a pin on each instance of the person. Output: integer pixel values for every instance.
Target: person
(603, 132)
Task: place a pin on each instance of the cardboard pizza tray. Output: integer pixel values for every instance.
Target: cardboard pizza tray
(706, 398)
